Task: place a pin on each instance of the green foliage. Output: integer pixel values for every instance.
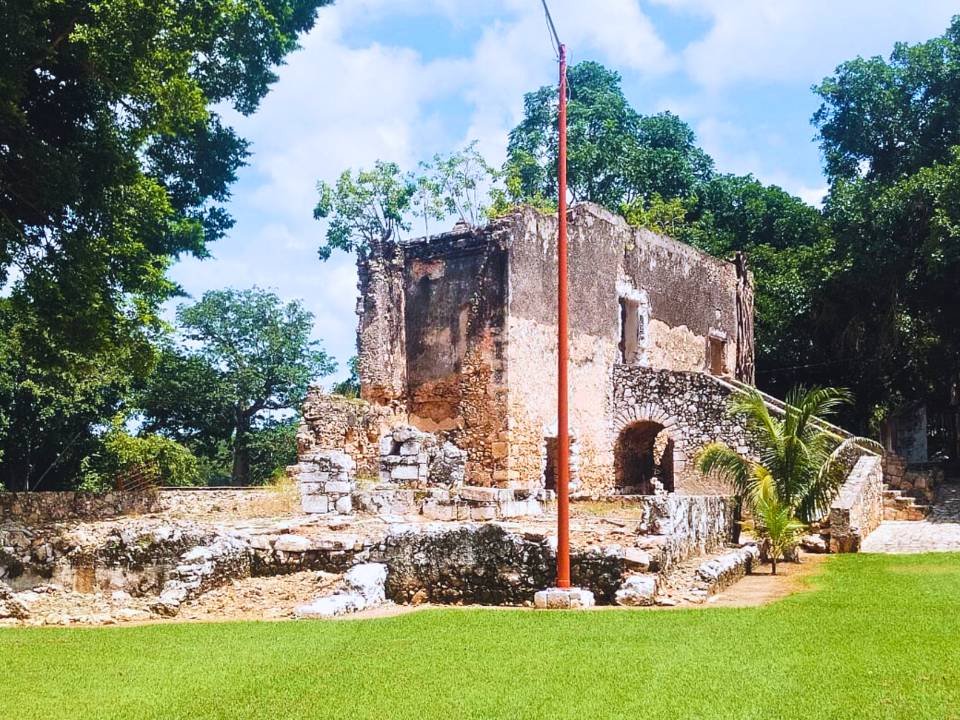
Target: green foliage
(614, 154)
(890, 134)
(273, 446)
(797, 473)
(165, 460)
(244, 357)
(365, 209)
(351, 386)
(113, 162)
(654, 213)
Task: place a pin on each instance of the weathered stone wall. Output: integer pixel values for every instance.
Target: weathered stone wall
(455, 298)
(858, 509)
(692, 407)
(37, 508)
(234, 502)
(683, 296)
(380, 330)
(334, 422)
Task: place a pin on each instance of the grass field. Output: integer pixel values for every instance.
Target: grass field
(876, 637)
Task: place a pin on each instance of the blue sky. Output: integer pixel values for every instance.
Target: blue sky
(403, 79)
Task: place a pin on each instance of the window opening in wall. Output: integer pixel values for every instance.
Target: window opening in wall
(717, 350)
(643, 458)
(550, 462)
(630, 331)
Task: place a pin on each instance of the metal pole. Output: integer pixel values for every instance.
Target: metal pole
(563, 430)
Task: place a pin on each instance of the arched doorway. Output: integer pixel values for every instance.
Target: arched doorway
(643, 453)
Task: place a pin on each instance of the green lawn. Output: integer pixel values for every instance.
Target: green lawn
(879, 637)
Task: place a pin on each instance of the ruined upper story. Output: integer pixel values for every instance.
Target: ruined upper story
(433, 308)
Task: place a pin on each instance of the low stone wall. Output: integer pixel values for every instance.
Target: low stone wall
(38, 508)
(721, 572)
(858, 509)
(486, 564)
(690, 524)
(227, 502)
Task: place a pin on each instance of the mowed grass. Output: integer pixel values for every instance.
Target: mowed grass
(875, 637)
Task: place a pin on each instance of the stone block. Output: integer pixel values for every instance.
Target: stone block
(637, 590)
(410, 447)
(386, 445)
(292, 543)
(401, 473)
(437, 511)
(636, 558)
(337, 486)
(344, 505)
(315, 503)
(483, 512)
(563, 599)
(484, 494)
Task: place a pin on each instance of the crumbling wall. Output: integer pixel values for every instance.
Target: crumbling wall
(380, 330)
(37, 508)
(455, 299)
(692, 297)
(350, 425)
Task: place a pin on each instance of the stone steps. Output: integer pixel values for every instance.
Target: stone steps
(897, 506)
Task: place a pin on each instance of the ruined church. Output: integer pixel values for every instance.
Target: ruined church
(457, 346)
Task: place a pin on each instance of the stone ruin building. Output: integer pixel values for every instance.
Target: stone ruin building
(433, 485)
(457, 341)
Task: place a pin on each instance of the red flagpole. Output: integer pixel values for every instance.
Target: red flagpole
(563, 430)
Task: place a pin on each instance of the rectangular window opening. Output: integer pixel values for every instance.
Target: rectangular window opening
(717, 348)
(629, 331)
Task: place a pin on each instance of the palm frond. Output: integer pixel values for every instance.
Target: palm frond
(717, 458)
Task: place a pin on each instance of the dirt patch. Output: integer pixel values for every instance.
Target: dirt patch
(258, 598)
(762, 587)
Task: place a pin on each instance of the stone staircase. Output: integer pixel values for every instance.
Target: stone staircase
(897, 506)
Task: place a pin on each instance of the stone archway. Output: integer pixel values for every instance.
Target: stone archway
(644, 459)
(674, 437)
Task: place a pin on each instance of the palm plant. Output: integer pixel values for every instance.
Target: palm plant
(796, 471)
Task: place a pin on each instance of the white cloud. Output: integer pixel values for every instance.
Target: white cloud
(340, 104)
(800, 40)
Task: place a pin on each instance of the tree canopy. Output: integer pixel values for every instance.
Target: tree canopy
(243, 358)
(114, 160)
(615, 155)
(890, 134)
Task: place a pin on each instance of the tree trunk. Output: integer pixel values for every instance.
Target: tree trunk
(240, 473)
(773, 563)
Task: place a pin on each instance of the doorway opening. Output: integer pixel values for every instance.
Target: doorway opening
(643, 458)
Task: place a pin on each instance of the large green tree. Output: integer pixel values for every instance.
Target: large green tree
(615, 154)
(890, 134)
(243, 360)
(113, 161)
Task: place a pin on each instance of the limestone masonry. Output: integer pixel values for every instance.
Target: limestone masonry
(457, 339)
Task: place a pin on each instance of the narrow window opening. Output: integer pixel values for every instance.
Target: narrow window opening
(717, 349)
(630, 331)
